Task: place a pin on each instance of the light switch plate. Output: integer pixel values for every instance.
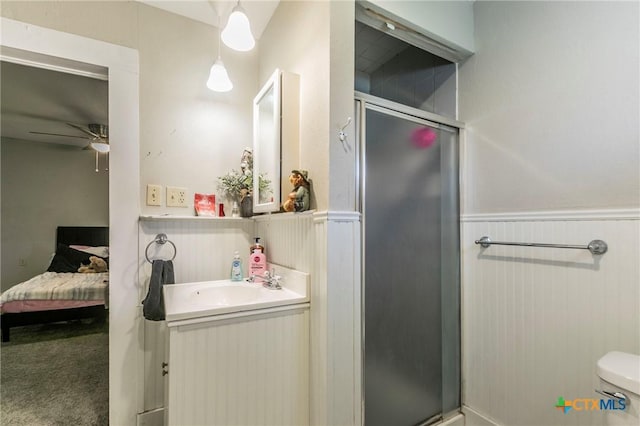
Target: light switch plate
(154, 195)
(176, 197)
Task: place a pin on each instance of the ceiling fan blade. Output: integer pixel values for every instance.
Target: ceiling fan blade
(57, 134)
(87, 131)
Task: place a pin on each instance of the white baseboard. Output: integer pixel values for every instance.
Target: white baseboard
(473, 418)
(457, 420)
(151, 418)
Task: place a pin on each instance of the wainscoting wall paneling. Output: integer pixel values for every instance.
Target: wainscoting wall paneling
(536, 320)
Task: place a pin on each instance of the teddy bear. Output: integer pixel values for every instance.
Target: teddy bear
(298, 199)
(96, 265)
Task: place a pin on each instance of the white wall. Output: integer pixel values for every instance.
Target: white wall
(303, 241)
(551, 154)
(536, 320)
(450, 21)
(316, 41)
(45, 186)
(551, 104)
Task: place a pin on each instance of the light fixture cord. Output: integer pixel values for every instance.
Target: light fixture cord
(219, 37)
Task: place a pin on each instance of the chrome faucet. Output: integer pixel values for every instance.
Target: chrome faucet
(269, 280)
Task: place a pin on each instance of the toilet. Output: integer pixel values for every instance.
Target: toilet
(619, 374)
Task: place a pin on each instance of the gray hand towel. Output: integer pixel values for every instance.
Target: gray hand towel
(153, 304)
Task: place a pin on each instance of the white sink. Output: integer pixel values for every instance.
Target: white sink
(224, 294)
(211, 298)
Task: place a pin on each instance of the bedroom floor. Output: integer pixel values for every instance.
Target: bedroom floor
(56, 374)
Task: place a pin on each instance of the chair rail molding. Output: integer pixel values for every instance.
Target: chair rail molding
(337, 216)
(555, 215)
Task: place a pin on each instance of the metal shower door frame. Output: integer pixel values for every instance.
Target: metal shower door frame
(362, 103)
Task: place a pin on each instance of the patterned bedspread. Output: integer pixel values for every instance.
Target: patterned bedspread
(56, 286)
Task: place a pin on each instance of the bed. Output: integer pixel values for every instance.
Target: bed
(61, 293)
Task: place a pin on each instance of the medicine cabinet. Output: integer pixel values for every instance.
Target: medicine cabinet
(276, 139)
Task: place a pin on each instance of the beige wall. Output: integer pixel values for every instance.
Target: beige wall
(551, 103)
(315, 40)
(45, 186)
(296, 41)
(342, 165)
(189, 135)
(110, 21)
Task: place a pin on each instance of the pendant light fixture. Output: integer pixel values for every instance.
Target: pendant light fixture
(218, 78)
(237, 34)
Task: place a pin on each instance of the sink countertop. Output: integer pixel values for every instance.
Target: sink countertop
(185, 301)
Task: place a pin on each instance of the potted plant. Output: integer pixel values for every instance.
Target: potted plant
(237, 185)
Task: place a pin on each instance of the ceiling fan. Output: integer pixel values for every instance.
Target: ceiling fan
(97, 134)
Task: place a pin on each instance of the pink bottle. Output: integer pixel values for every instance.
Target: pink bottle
(257, 260)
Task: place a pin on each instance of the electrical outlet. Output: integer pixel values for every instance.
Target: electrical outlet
(154, 197)
(176, 197)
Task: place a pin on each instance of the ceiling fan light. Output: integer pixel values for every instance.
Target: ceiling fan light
(100, 146)
(218, 78)
(237, 34)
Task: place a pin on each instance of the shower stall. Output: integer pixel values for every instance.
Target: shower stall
(408, 142)
(411, 263)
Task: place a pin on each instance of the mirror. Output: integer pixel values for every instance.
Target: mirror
(266, 146)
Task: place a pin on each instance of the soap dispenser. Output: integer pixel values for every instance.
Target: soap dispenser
(257, 260)
(256, 246)
(236, 268)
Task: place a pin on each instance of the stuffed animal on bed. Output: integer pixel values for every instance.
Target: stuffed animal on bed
(97, 265)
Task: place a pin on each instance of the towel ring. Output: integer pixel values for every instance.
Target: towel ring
(160, 239)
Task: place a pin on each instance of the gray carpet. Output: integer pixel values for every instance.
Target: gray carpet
(56, 374)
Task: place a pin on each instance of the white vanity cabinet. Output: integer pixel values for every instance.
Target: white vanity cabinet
(243, 368)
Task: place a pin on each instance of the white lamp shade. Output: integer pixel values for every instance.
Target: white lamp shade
(100, 146)
(218, 78)
(237, 34)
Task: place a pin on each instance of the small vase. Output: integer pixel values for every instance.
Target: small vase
(235, 210)
(246, 206)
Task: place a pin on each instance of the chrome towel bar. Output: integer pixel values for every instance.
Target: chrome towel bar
(595, 246)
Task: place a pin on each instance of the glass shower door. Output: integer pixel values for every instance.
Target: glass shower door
(411, 268)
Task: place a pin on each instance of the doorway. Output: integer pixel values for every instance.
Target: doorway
(48, 181)
(26, 43)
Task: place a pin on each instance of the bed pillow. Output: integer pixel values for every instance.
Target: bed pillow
(100, 251)
(67, 259)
